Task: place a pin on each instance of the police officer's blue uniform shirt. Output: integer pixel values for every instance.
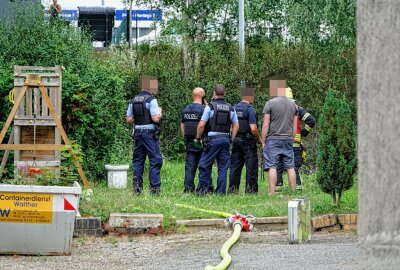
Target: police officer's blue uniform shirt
(208, 113)
(154, 110)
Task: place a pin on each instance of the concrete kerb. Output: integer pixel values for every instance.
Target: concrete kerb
(127, 223)
(122, 223)
(262, 224)
(328, 223)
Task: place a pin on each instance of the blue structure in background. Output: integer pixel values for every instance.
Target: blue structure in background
(120, 15)
(69, 14)
(140, 15)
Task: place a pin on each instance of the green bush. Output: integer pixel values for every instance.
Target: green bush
(93, 87)
(336, 148)
(97, 86)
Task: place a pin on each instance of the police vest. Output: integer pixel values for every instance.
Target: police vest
(140, 112)
(191, 118)
(242, 111)
(221, 120)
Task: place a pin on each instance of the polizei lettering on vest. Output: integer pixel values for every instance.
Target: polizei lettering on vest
(190, 116)
(139, 98)
(222, 107)
(240, 114)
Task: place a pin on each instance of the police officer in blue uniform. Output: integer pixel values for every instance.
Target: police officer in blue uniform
(144, 112)
(191, 116)
(244, 150)
(221, 119)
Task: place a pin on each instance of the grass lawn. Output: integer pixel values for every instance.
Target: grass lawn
(105, 201)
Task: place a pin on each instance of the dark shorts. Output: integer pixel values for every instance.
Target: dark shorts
(276, 150)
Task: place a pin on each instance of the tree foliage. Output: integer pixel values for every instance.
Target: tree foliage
(336, 160)
(98, 86)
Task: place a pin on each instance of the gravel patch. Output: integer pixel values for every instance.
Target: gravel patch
(255, 250)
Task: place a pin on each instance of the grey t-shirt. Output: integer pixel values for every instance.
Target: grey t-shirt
(282, 111)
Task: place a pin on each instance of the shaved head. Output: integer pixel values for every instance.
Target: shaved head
(198, 92)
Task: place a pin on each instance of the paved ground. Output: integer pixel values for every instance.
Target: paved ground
(256, 250)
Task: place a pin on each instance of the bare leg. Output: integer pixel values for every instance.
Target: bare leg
(292, 178)
(272, 175)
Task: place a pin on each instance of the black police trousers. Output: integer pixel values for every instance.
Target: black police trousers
(244, 152)
(192, 160)
(297, 164)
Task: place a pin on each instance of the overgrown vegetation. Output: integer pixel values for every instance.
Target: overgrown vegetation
(97, 86)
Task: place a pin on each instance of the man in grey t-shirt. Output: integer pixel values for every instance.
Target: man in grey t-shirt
(278, 130)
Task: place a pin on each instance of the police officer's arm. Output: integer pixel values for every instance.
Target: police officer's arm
(253, 124)
(130, 119)
(156, 118)
(202, 124)
(265, 127)
(254, 131)
(182, 125)
(235, 129)
(155, 111)
(235, 124)
(183, 129)
(309, 121)
(200, 129)
(129, 114)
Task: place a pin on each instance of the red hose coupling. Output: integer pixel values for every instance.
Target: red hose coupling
(246, 224)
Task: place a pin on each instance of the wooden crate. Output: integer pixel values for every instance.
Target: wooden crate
(32, 112)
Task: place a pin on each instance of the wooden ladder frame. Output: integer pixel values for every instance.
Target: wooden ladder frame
(34, 80)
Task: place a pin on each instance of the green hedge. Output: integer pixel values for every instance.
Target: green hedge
(97, 86)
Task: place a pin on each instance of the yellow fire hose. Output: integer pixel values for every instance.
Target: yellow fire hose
(238, 222)
(226, 257)
(221, 214)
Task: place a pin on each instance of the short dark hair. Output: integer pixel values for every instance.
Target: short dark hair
(219, 89)
(148, 78)
(248, 91)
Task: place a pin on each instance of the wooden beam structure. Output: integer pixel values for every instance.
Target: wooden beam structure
(32, 147)
(6, 153)
(34, 80)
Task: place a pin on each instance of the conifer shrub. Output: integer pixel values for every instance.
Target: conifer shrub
(336, 160)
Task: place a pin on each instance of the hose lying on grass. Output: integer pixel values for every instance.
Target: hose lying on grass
(238, 223)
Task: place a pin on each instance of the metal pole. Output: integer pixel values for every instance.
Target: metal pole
(241, 34)
(137, 29)
(130, 23)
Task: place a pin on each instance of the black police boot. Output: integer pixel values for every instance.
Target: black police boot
(251, 190)
(188, 190)
(201, 191)
(233, 190)
(155, 191)
(137, 187)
